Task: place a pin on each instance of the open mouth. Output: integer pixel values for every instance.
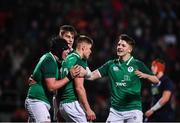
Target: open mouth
(119, 50)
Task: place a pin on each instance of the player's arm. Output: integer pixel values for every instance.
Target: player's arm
(149, 77)
(83, 98)
(53, 84)
(93, 75)
(162, 101)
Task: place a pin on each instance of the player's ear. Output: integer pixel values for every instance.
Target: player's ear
(130, 50)
(83, 47)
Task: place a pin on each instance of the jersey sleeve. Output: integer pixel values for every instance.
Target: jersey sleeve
(167, 85)
(82, 63)
(70, 62)
(103, 70)
(143, 68)
(48, 68)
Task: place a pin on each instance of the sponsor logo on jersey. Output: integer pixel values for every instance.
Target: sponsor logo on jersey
(130, 69)
(121, 84)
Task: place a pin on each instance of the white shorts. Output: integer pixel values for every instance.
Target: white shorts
(73, 112)
(132, 116)
(38, 110)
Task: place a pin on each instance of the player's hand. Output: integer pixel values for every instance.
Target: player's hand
(83, 72)
(149, 113)
(90, 115)
(140, 74)
(75, 71)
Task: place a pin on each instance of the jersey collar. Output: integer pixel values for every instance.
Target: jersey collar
(126, 62)
(130, 59)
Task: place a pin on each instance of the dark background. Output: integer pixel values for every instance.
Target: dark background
(26, 25)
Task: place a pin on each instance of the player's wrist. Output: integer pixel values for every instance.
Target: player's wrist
(156, 107)
(151, 110)
(69, 76)
(88, 73)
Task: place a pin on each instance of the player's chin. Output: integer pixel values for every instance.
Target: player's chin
(87, 57)
(119, 53)
(70, 45)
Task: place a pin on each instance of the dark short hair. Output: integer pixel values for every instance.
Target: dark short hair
(126, 38)
(68, 28)
(57, 45)
(81, 39)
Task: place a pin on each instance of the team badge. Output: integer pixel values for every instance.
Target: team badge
(130, 69)
(115, 68)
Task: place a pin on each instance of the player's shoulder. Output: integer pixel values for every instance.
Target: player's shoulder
(137, 61)
(46, 57)
(112, 61)
(72, 58)
(73, 55)
(165, 78)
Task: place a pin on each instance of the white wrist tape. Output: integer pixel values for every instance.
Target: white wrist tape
(89, 73)
(156, 106)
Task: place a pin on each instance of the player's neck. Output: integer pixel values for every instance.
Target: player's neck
(125, 57)
(80, 53)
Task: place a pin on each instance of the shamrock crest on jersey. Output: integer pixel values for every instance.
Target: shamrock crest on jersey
(130, 69)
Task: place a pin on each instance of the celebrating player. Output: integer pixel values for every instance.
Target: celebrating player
(45, 75)
(74, 106)
(124, 73)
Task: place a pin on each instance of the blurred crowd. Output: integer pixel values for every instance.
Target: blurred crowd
(26, 26)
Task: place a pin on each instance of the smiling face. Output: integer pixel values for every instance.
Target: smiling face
(123, 48)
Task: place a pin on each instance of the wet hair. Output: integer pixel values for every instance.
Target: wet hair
(81, 39)
(67, 28)
(126, 38)
(57, 46)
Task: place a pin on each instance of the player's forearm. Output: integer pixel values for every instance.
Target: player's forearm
(83, 98)
(153, 79)
(60, 83)
(165, 97)
(94, 75)
(149, 77)
(54, 84)
(162, 101)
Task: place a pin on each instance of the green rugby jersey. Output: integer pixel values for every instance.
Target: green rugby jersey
(68, 93)
(47, 67)
(125, 85)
